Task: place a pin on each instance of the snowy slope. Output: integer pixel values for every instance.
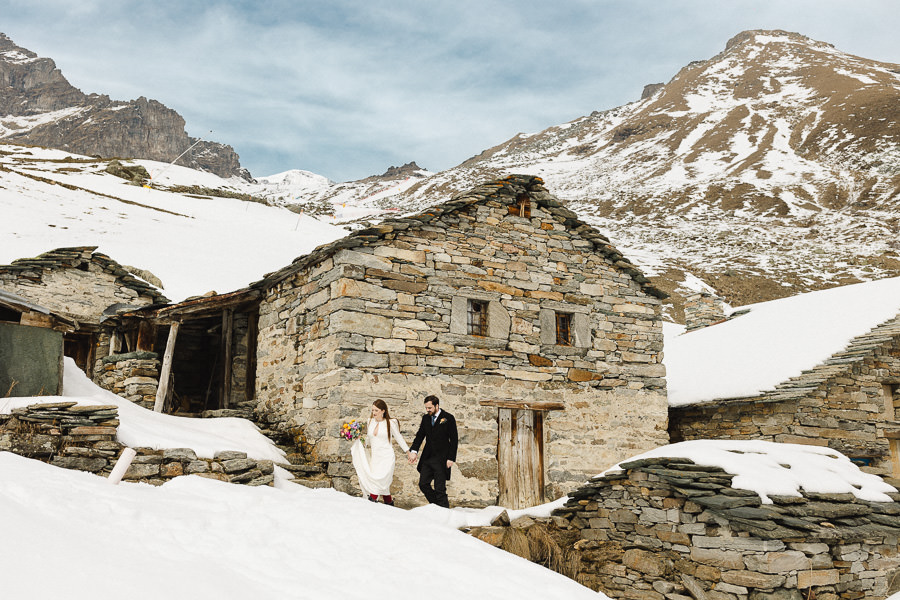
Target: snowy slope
(773, 342)
(80, 538)
(193, 243)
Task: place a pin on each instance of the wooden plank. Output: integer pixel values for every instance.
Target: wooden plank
(146, 337)
(895, 457)
(523, 405)
(164, 376)
(505, 465)
(36, 319)
(252, 338)
(539, 458)
(227, 335)
(525, 459)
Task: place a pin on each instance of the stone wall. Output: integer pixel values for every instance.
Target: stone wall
(670, 529)
(703, 309)
(81, 437)
(847, 404)
(386, 318)
(133, 376)
(76, 282)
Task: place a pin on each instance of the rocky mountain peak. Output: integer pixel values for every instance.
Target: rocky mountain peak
(769, 169)
(39, 106)
(410, 169)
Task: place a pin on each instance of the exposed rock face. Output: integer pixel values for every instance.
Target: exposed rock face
(38, 106)
(410, 169)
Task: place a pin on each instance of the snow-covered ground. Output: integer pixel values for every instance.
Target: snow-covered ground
(773, 342)
(71, 534)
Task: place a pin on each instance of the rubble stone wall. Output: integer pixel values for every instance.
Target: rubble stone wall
(133, 376)
(852, 412)
(642, 538)
(387, 320)
(74, 436)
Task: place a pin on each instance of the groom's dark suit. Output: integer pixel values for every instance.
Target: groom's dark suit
(441, 442)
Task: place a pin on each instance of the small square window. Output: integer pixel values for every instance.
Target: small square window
(521, 207)
(563, 329)
(477, 318)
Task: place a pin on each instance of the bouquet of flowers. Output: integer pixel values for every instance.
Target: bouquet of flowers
(354, 430)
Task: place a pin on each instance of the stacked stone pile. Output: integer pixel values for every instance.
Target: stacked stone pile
(64, 434)
(157, 466)
(666, 528)
(74, 436)
(133, 376)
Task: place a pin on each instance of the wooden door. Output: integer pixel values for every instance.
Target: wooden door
(520, 457)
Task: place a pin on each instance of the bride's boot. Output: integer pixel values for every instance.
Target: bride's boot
(388, 500)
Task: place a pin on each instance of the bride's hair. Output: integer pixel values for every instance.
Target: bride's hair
(380, 404)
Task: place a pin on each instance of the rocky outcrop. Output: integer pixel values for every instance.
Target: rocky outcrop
(39, 106)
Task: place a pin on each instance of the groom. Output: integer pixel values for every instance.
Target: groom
(438, 430)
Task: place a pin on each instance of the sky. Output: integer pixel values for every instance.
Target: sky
(347, 88)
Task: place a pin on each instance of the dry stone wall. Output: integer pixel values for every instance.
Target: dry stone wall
(73, 436)
(133, 376)
(850, 407)
(382, 314)
(670, 529)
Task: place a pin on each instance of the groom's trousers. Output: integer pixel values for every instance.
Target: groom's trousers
(434, 470)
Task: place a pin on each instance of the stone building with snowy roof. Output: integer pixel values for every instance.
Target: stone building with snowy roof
(821, 368)
(80, 284)
(738, 521)
(532, 329)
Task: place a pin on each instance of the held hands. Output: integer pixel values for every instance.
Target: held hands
(411, 457)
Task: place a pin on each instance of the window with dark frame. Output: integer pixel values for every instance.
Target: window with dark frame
(563, 329)
(521, 207)
(477, 318)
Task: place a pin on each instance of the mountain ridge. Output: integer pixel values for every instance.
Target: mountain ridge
(40, 107)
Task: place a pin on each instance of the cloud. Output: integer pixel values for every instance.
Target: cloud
(348, 87)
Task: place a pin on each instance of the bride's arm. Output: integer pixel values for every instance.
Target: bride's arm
(395, 433)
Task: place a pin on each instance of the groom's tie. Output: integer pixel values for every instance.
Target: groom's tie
(433, 419)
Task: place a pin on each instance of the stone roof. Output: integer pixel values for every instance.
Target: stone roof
(73, 258)
(812, 515)
(503, 190)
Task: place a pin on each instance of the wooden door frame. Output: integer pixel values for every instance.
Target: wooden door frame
(509, 491)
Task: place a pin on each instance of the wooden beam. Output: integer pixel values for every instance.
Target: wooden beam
(521, 404)
(227, 335)
(164, 375)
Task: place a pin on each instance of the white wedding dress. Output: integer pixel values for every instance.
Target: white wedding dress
(375, 467)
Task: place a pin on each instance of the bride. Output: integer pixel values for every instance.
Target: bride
(376, 472)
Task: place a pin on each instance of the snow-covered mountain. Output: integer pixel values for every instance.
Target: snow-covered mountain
(769, 169)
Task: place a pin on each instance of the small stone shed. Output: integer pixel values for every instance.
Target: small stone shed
(848, 401)
(203, 348)
(31, 348)
(540, 337)
(667, 528)
(80, 284)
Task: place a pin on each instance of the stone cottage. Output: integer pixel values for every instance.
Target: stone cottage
(80, 284)
(532, 329)
(821, 368)
(667, 527)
